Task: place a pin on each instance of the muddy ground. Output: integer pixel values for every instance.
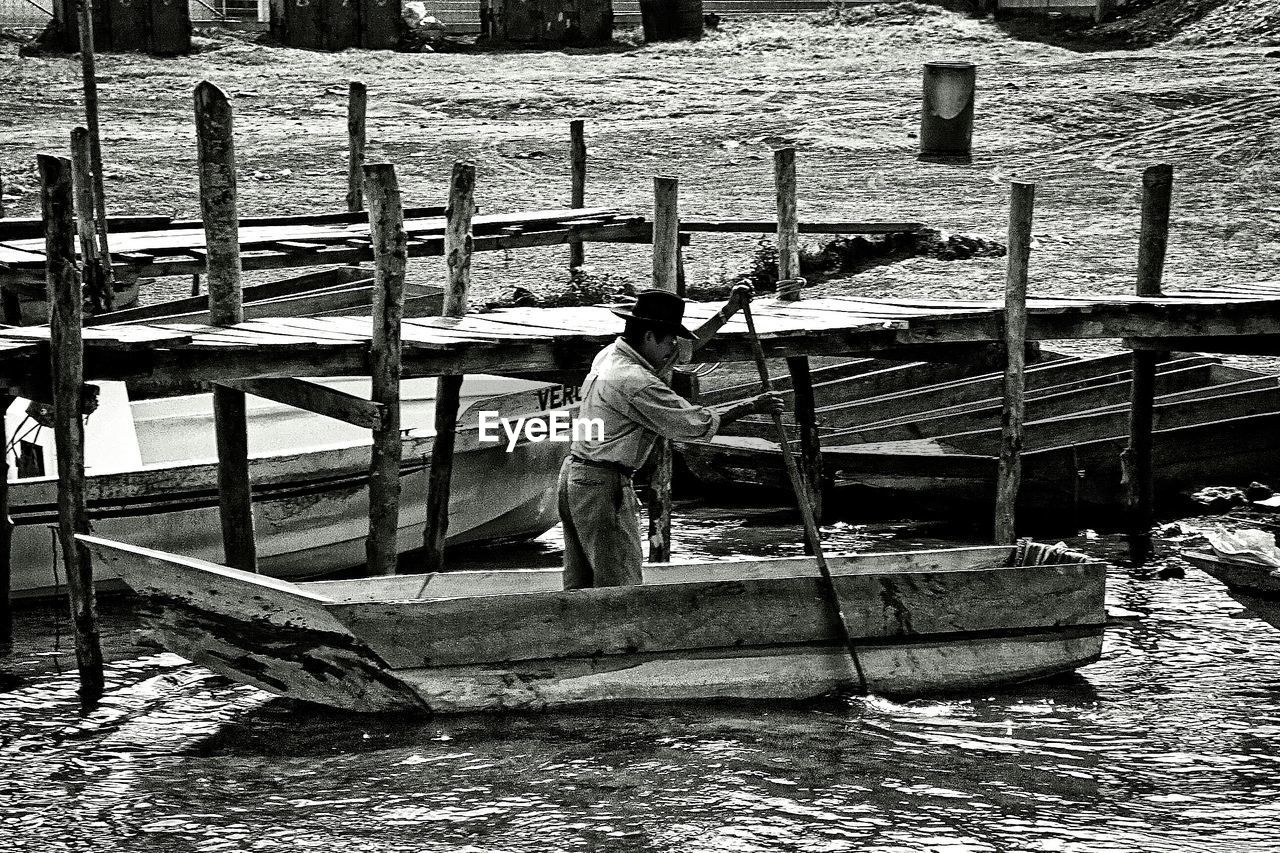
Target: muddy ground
(844, 88)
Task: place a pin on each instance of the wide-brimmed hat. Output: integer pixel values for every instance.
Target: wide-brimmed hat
(661, 309)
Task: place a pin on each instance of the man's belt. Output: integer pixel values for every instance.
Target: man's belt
(604, 463)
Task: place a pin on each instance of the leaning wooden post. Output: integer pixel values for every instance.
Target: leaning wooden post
(89, 75)
(6, 533)
(216, 159)
(577, 183)
(1009, 475)
(66, 350)
(666, 275)
(357, 102)
(1157, 191)
(82, 185)
(390, 256)
(457, 253)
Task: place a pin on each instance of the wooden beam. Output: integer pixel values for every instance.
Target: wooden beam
(89, 77)
(767, 226)
(458, 246)
(784, 178)
(357, 102)
(666, 276)
(216, 162)
(387, 230)
(1138, 476)
(67, 365)
(82, 185)
(577, 182)
(311, 397)
(1009, 475)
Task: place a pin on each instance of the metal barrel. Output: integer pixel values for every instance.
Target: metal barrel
(946, 120)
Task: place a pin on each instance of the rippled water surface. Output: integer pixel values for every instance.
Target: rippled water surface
(1170, 743)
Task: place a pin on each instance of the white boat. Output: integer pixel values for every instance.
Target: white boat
(152, 477)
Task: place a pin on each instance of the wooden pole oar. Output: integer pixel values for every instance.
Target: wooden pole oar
(802, 501)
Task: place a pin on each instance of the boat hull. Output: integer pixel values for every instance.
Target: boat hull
(1250, 584)
(922, 622)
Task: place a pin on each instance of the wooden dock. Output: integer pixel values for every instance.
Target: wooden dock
(540, 340)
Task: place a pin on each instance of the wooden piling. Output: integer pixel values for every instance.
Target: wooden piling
(89, 75)
(66, 351)
(666, 276)
(1009, 475)
(82, 186)
(457, 252)
(6, 533)
(216, 161)
(390, 255)
(1157, 192)
(577, 182)
(784, 179)
(357, 104)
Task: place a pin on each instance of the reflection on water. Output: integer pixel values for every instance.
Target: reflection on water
(1170, 743)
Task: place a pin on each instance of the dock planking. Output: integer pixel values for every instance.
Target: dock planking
(516, 340)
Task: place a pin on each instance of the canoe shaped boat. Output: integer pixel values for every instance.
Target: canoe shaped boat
(922, 622)
(152, 477)
(934, 447)
(1251, 584)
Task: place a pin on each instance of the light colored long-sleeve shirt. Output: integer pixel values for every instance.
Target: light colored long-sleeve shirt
(636, 407)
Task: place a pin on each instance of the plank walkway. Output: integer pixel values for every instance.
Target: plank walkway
(532, 340)
(181, 250)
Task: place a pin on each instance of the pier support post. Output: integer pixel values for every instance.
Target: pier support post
(390, 256)
(6, 533)
(357, 103)
(66, 349)
(216, 159)
(82, 186)
(457, 253)
(89, 77)
(1157, 191)
(789, 287)
(577, 183)
(666, 276)
(1009, 474)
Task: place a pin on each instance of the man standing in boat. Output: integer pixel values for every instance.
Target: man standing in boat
(626, 392)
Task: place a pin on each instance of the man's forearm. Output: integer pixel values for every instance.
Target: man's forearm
(735, 411)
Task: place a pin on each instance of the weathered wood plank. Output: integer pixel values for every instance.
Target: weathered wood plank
(674, 617)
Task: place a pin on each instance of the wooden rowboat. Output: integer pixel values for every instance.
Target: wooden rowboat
(923, 622)
(933, 447)
(1251, 584)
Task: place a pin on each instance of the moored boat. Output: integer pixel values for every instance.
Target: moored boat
(1252, 584)
(934, 446)
(152, 477)
(921, 622)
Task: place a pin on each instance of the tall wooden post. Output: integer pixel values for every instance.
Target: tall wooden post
(357, 103)
(666, 276)
(577, 183)
(66, 350)
(390, 255)
(6, 532)
(784, 173)
(89, 75)
(82, 184)
(216, 159)
(1009, 475)
(457, 252)
(784, 178)
(1157, 191)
